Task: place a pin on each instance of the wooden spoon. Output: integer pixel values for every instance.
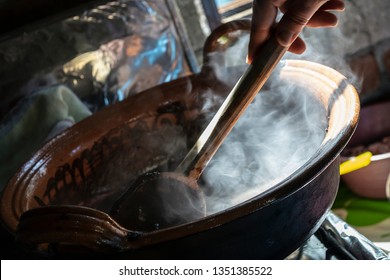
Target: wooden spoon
(158, 200)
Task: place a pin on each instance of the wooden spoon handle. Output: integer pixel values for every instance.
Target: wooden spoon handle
(231, 110)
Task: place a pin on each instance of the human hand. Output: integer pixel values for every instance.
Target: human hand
(297, 15)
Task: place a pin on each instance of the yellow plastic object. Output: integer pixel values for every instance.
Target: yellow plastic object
(355, 163)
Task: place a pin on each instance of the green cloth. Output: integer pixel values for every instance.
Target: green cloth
(27, 126)
(368, 216)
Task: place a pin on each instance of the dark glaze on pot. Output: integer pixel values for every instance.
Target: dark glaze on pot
(268, 226)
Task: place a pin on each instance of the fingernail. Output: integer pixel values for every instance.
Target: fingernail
(285, 38)
(247, 60)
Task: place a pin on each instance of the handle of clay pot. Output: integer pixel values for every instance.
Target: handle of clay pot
(212, 44)
(76, 226)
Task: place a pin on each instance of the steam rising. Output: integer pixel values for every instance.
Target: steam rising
(278, 133)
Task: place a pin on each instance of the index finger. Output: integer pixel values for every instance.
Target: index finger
(296, 17)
